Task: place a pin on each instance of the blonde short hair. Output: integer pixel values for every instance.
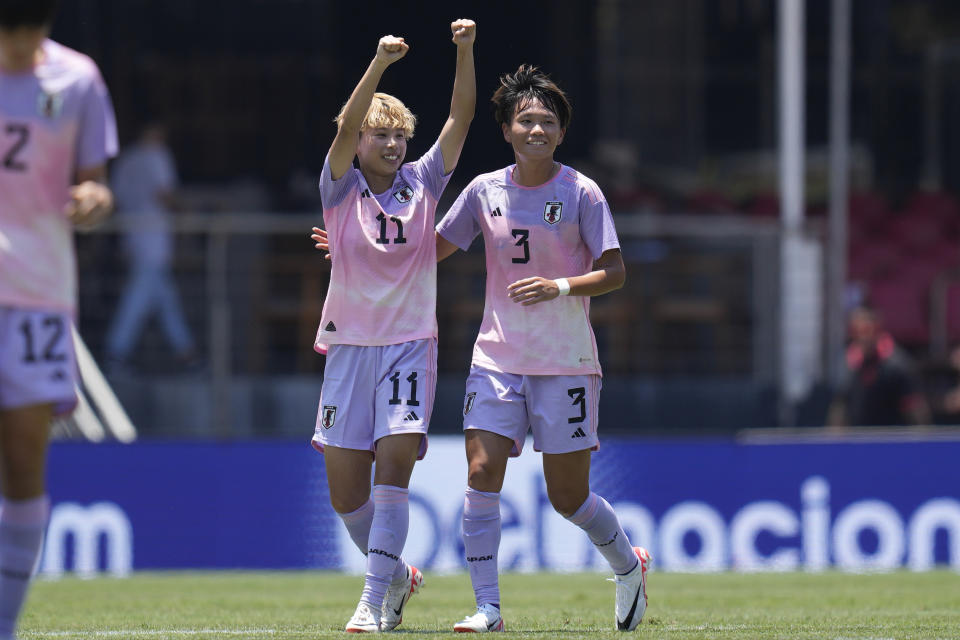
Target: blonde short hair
(385, 112)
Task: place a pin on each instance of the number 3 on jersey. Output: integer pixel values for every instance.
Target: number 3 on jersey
(523, 237)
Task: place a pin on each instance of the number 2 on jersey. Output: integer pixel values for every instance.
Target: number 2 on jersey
(20, 134)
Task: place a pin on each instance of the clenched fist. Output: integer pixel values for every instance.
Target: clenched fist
(464, 31)
(391, 48)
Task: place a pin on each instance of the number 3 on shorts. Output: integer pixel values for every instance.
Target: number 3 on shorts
(579, 397)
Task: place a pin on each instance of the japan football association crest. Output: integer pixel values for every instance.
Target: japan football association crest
(49, 104)
(329, 415)
(552, 212)
(471, 397)
(404, 195)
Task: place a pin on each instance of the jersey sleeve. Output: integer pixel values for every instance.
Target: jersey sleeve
(97, 141)
(332, 192)
(596, 221)
(459, 225)
(429, 171)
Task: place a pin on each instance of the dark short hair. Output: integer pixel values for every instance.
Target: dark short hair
(526, 84)
(27, 13)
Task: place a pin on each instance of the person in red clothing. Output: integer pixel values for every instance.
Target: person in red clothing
(881, 386)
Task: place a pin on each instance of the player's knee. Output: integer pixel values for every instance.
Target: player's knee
(348, 502)
(483, 476)
(566, 503)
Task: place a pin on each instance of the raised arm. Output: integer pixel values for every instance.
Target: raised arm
(464, 100)
(344, 146)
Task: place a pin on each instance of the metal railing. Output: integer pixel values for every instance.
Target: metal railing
(700, 303)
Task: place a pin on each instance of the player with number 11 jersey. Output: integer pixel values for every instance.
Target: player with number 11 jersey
(378, 326)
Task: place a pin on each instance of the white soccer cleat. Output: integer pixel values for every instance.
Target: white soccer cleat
(487, 618)
(366, 619)
(632, 593)
(391, 615)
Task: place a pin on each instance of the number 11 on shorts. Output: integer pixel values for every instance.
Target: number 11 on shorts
(412, 397)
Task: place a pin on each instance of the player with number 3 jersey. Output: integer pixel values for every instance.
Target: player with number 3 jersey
(550, 244)
(378, 326)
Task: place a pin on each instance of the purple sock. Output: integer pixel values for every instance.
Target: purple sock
(388, 533)
(599, 520)
(481, 542)
(358, 526)
(21, 537)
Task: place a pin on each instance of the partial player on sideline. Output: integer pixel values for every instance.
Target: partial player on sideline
(57, 131)
(379, 326)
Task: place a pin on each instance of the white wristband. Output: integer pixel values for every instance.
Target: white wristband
(563, 285)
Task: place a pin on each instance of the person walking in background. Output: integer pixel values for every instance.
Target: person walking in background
(550, 245)
(144, 182)
(881, 387)
(57, 131)
(378, 327)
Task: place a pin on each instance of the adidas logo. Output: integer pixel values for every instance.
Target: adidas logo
(412, 416)
(579, 433)
(365, 193)
(496, 213)
(330, 326)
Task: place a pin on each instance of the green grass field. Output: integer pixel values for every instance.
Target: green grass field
(221, 605)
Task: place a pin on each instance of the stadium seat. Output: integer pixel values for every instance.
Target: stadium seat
(953, 313)
(916, 233)
(873, 261)
(864, 205)
(764, 205)
(937, 203)
(902, 301)
(710, 201)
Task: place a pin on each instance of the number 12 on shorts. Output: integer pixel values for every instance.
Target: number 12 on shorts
(412, 397)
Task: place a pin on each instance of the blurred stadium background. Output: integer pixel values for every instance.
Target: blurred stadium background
(743, 252)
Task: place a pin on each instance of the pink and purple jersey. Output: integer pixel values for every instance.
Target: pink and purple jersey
(555, 230)
(54, 119)
(383, 278)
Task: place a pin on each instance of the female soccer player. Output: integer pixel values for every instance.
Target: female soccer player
(550, 245)
(57, 131)
(379, 326)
